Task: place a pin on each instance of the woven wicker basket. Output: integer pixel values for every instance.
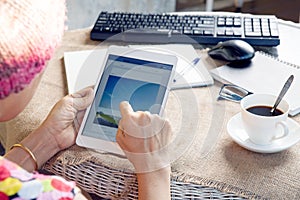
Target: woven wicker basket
(110, 183)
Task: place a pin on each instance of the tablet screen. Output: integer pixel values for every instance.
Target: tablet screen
(142, 83)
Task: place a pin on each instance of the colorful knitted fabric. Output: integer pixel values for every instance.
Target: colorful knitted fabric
(17, 183)
(30, 31)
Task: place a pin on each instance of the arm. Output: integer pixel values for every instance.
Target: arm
(55, 133)
(154, 185)
(144, 139)
(40, 143)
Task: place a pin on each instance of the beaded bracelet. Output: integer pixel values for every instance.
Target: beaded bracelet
(29, 152)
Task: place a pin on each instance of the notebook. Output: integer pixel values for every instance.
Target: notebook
(83, 67)
(266, 74)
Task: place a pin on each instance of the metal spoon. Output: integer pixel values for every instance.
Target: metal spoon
(282, 93)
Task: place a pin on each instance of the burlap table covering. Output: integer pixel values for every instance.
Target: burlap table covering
(208, 155)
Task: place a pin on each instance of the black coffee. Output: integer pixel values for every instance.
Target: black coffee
(264, 111)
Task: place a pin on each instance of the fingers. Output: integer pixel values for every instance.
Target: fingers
(147, 154)
(125, 108)
(144, 138)
(82, 92)
(83, 98)
(119, 138)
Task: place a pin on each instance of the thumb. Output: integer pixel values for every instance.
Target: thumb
(83, 98)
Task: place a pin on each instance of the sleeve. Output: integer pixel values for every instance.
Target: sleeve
(17, 183)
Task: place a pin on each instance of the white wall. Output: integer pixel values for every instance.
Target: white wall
(83, 13)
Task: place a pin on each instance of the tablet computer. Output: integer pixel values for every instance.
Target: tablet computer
(140, 77)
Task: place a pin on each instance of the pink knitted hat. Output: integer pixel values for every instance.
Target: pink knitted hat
(30, 31)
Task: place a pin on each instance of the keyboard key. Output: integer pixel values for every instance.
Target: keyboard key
(208, 32)
(197, 32)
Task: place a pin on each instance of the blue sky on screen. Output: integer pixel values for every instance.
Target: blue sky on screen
(141, 95)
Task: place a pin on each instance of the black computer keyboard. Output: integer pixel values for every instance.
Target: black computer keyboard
(203, 28)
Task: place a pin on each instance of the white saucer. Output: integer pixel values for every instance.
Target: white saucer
(239, 135)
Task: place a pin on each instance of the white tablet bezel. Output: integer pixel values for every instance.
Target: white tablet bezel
(110, 146)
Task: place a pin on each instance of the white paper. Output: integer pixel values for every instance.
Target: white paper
(83, 68)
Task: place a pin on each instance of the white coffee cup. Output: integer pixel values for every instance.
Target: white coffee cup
(264, 130)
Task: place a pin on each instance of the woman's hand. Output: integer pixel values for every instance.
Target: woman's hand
(144, 139)
(66, 116)
(56, 133)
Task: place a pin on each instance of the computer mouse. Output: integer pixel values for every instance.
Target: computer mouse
(237, 52)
